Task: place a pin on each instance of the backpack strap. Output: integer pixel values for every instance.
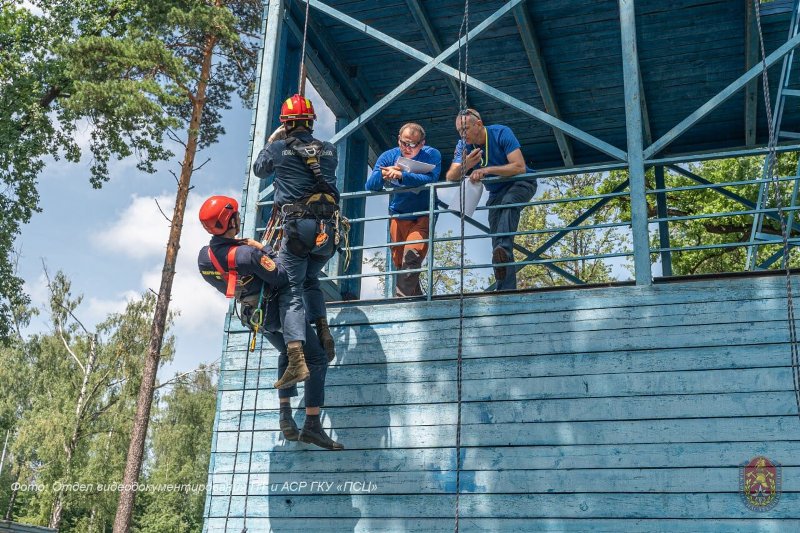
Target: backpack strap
(231, 275)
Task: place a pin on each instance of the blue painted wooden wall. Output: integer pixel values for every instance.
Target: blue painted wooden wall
(608, 409)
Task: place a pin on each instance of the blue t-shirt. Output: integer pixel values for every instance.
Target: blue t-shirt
(407, 202)
(500, 141)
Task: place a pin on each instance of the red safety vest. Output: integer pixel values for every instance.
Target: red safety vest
(231, 276)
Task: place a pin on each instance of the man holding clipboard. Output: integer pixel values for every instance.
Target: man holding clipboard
(489, 151)
(412, 164)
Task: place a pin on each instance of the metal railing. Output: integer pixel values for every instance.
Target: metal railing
(661, 223)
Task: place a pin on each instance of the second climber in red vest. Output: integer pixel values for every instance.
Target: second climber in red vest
(251, 273)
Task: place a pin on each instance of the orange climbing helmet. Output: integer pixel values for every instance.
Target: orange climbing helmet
(297, 108)
(216, 214)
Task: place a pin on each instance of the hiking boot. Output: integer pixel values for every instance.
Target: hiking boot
(287, 423)
(500, 255)
(297, 370)
(313, 433)
(325, 338)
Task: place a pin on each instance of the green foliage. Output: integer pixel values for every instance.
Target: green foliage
(68, 396)
(181, 447)
(723, 229)
(130, 71)
(576, 243)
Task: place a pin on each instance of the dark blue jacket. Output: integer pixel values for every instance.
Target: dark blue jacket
(293, 179)
(407, 202)
(255, 267)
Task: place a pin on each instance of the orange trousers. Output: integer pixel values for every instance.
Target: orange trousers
(408, 230)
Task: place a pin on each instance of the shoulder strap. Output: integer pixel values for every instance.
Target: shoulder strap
(231, 276)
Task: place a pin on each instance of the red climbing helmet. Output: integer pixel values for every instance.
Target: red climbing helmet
(298, 107)
(216, 214)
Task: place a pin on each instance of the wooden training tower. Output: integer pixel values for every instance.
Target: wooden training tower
(628, 407)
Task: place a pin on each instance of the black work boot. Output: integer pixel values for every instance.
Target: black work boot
(325, 338)
(296, 371)
(288, 426)
(313, 433)
(500, 255)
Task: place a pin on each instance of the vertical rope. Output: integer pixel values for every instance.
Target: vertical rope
(771, 158)
(463, 31)
(253, 429)
(301, 82)
(238, 430)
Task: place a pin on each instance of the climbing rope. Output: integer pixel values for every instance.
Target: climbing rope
(252, 424)
(774, 180)
(463, 32)
(301, 82)
(238, 433)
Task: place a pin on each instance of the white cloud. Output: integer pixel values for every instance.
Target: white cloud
(100, 308)
(200, 305)
(141, 232)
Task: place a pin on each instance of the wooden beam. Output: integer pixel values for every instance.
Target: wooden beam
(750, 59)
(633, 122)
(531, 44)
(434, 45)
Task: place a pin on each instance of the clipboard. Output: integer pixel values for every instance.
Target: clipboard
(413, 166)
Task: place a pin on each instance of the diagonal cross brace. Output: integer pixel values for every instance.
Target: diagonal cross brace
(437, 63)
(732, 195)
(572, 226)
(720, 98)
(518, 247)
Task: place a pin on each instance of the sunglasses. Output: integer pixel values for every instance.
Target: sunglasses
(409, 145)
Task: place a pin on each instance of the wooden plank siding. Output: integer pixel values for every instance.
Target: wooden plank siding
(604, 409)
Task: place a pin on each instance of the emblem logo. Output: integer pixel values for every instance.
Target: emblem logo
(267, 263)
(760, 483)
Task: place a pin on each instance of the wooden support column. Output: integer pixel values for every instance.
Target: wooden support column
(633, 120)
(351, 173)
(273, 55)
(663, 226)
(750, 60)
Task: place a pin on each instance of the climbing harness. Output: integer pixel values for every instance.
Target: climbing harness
(772, 155)
(463, 32)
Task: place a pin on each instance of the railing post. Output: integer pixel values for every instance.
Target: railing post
(389, 282)
(431, 231)
(633, 121)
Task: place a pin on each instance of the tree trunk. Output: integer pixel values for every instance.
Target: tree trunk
(72, 445)
(10, 510)
(133, 464)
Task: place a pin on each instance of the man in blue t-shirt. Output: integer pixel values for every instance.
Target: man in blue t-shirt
(494, 151)
(409, 226)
